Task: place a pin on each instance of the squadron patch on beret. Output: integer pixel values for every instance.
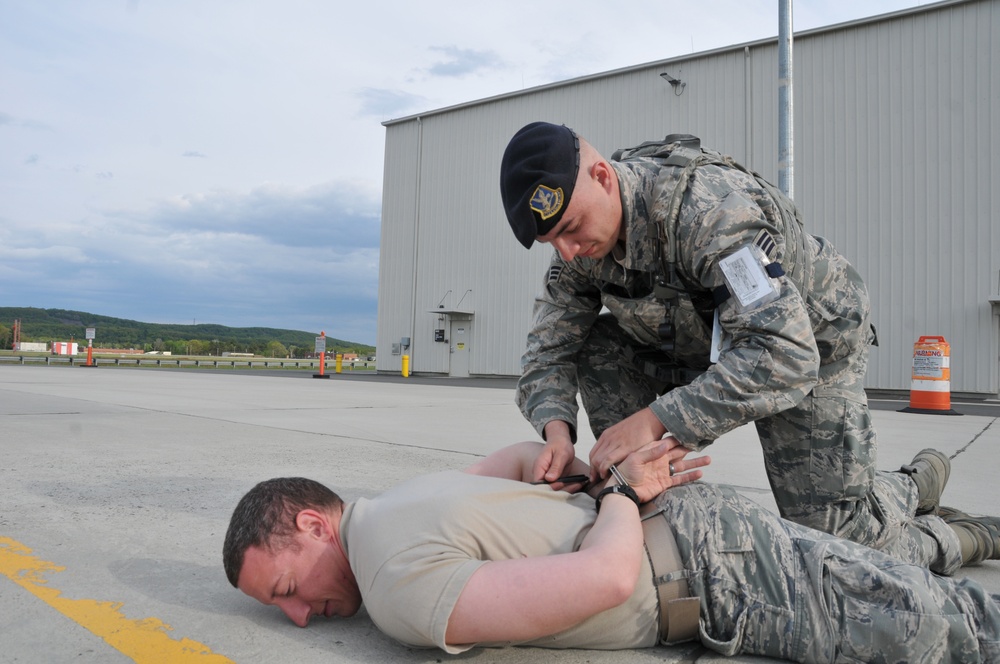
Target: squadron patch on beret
(546, 201)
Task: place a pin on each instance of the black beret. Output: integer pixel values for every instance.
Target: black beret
(537, 176)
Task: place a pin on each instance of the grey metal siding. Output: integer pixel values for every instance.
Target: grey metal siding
(399, 228)
(896, 163)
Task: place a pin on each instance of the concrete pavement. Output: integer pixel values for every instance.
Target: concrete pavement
(116, 487)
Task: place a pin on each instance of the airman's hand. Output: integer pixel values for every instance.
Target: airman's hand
(620, 440)
(557, 455)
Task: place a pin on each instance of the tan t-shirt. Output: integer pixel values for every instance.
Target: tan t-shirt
(414, 548)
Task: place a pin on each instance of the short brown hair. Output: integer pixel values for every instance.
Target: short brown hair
(265, 517)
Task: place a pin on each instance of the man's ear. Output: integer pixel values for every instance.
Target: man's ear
(602, 172)
(312, 523)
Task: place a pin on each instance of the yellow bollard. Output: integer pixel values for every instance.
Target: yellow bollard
(339, 362)
(406, 366)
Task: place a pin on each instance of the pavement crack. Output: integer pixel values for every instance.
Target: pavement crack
(976, 437)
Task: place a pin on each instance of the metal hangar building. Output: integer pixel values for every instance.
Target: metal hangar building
(897, 162)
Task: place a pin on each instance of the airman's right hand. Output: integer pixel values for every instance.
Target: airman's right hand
(557, 455)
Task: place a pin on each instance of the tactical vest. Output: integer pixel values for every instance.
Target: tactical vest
(679, 155)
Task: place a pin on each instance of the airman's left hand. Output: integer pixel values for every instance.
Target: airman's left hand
(620, 440)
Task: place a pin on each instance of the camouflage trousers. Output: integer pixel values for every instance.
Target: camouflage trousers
(820, 456)
(775, 588)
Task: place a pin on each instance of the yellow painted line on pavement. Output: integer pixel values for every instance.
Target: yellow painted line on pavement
(145, 641)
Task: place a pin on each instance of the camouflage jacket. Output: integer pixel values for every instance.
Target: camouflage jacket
(779, 351)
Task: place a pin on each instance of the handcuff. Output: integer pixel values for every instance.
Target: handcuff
(622, 488)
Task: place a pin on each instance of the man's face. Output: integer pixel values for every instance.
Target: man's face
(591, 225)
(303, 581)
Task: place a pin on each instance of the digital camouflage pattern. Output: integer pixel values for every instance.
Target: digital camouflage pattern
(795, 365)
(774, 588)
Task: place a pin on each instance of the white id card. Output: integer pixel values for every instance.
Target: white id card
(748, 282)
(720, 340)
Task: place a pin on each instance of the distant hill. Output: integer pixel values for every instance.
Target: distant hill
(61, 325)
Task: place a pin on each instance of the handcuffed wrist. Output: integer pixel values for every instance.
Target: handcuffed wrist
(620, 487)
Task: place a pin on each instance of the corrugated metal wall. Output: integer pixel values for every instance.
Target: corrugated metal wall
(896, 161)
(897, 154)
(460, 255)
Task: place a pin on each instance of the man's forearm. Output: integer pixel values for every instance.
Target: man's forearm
(558, 429)
(615, 541)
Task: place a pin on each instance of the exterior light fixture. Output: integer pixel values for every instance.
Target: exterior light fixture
(677, 84)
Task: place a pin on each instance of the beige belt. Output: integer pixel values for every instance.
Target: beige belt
(679, 611)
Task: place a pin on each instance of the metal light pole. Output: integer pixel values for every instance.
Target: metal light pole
(786, 160)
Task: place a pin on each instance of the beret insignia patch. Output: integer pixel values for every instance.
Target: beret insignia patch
(546, 201)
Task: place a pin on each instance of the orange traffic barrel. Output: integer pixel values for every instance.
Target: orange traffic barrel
(930, 380)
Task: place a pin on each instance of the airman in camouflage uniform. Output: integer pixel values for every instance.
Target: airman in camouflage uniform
(775, 588)
(793, 363)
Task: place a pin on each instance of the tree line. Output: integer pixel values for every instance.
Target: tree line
(48, 325)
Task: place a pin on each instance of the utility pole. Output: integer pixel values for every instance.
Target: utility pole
(786, 115)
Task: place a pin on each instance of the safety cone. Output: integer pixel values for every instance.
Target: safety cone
(930, 381)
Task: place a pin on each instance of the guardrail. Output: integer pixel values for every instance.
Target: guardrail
(214, 363)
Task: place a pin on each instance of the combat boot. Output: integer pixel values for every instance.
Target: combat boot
(950, 513)
(979, 541)
(979, 535)
(929, 470)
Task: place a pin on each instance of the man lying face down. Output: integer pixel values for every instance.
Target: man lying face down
(483, 557)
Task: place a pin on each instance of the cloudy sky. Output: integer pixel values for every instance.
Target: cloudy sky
(220, 161)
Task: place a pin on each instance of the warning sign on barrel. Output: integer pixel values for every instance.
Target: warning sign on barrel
(930, 385)
(928, 363)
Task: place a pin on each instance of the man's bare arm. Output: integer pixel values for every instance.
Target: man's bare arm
(523, 599)
(516, 462)
(527, 598)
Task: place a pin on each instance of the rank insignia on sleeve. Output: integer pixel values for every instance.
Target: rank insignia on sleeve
(766, 243)
(546, 201)
(554, 272)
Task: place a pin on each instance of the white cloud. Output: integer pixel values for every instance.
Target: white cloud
(387, 104)
(460, 62)
(280, 225)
